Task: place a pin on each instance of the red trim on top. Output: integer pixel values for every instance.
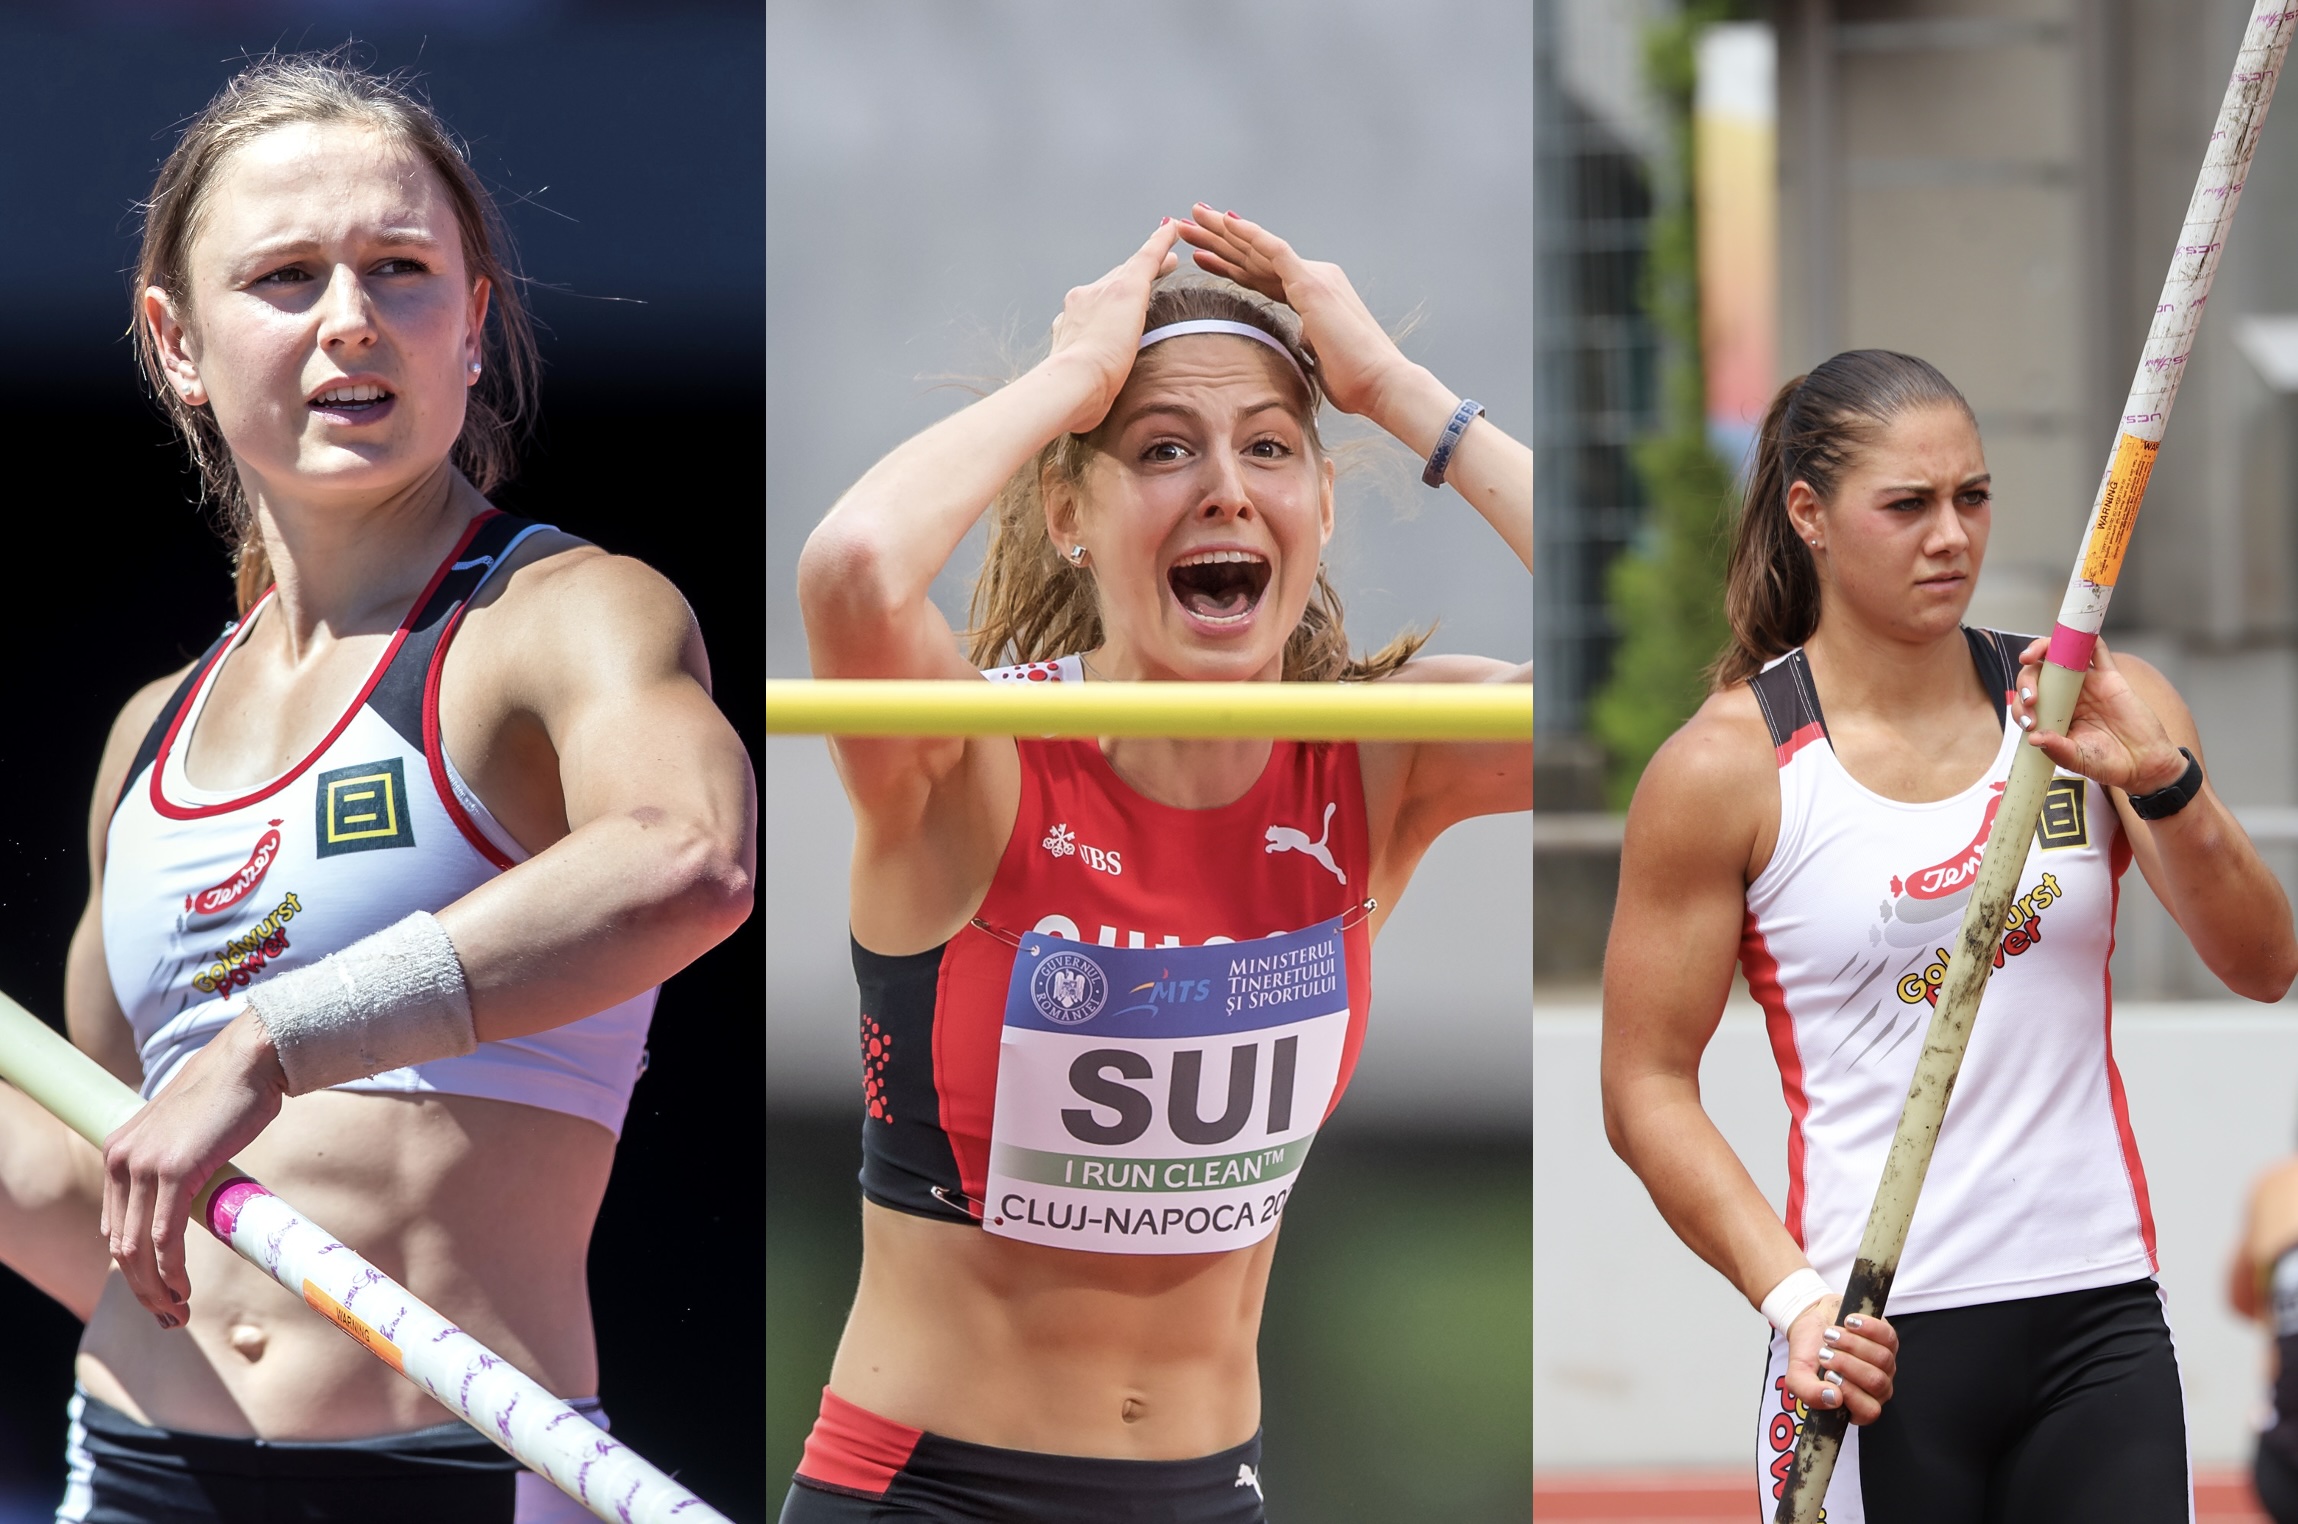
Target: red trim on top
(2119, 857)
(1797, 742)
(435, 752)
(198, 699)
(1762, 971)
(854, 1451)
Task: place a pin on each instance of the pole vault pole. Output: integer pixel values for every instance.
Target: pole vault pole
(486, 1391)
(2169, 340)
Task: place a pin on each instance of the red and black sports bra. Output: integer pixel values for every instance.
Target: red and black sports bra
(1092, 862)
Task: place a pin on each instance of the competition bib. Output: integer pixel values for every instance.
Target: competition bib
(1160, 1100)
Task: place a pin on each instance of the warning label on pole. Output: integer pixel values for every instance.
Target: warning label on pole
(2118, 509)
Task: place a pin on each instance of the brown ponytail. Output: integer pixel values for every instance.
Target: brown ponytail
(1031, 605)
(1811, 433)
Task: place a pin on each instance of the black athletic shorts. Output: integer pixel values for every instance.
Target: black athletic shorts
(2061, 1409)
(125, 1472)
(863, 1469)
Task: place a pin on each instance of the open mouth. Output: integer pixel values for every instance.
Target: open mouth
(352, 401)
(1220, 586)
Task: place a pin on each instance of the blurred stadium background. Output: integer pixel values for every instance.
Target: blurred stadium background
(1727, 193)
(626, 142)
(938, 177)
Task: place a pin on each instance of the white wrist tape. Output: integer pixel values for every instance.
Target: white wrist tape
(1791, 1298)
(386, 1001)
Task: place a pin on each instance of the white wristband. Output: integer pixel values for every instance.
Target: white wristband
(1791, 1298)
(388, 1000)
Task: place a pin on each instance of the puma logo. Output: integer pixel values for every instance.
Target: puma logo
(1286, 839)
(1246, 1476)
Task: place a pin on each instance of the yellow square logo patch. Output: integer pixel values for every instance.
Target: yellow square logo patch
(363, 808)
(2063, 823)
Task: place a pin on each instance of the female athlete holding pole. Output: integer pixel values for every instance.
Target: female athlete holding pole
(1109, 991)
(1820, 821)
(383, 884)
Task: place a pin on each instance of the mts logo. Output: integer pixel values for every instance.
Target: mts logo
(1174, 991)
(1108, 1078)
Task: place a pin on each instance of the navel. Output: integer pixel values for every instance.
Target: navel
(1134, 1410)
(247, 1342)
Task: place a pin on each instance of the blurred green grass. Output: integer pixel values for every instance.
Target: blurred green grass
(1396, 1352)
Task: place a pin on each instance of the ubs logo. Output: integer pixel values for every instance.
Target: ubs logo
(362, 808)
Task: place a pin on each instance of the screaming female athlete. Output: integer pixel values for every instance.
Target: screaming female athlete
(1109, 991)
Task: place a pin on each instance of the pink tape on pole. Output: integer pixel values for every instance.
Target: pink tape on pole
(2070, 649)
(224, 1206)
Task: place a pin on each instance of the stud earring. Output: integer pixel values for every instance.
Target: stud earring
(1077, 555)
(474, 367)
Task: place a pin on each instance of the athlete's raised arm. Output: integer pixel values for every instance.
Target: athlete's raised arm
(2132, 733)
(1364, 372)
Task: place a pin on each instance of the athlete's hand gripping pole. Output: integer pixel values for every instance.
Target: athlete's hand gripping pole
(2169, 339)
(486, 1391)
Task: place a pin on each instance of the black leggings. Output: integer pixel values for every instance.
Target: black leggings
(2049, 1408)
(947, 1481)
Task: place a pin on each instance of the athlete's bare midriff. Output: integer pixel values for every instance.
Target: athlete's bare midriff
(998, 1342)
(482, 1208)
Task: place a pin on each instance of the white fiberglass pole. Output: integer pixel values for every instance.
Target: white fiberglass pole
(2169, 340)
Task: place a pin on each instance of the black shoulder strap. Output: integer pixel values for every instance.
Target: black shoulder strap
(1996, 654)
(398, 693)
(149, 751)
(1790, 704)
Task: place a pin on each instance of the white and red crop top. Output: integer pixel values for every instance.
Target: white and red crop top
(1091, 861)
(208, 892)
(2036, 1186)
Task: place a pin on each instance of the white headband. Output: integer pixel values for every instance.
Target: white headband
(1223, 325)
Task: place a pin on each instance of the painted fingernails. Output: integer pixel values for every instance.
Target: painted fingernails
(1826, 1355)
(1836, 1377)
(2026, 722)
(1163, 220)
(2027, 694)
(1832, 1334)
(1855, 1321)
(1830, 1397)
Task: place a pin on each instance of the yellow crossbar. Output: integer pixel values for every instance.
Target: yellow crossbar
(1389, 711)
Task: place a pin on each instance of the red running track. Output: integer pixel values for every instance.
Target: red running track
(1725, 1497)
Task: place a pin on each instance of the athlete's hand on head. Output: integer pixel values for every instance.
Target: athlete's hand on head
(1863, 1353)
(1357, 361)
(1099, 329)
(154, 1165)
(2114, 739)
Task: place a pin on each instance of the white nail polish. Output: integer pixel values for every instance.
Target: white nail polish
(1834, 1376)
(2026, 722)
(1832, 1334)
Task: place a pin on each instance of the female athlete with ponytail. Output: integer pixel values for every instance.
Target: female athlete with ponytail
(1109, 991)
(1819, 822)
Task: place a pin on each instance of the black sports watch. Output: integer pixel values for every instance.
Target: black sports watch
(2165, 802)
